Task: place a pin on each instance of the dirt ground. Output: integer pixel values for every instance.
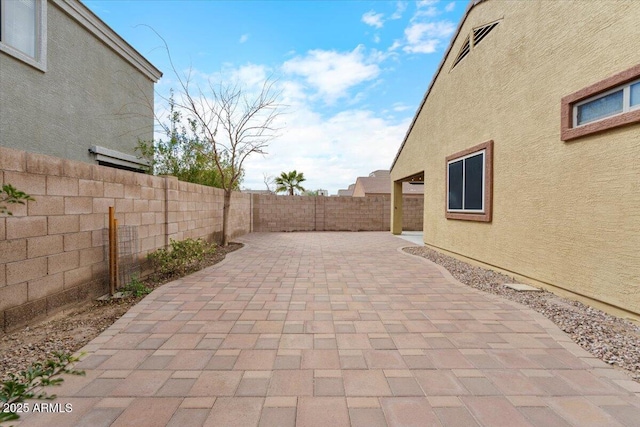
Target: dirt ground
(69, 330)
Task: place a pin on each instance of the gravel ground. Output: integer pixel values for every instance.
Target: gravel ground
(614, 340)
(70, 330)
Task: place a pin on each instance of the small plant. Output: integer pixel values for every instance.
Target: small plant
(9, 194)
(28, 385)
(181, 257)
(136, 288)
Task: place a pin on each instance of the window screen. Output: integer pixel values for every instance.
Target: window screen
(473, 181)
(466, 183)
(455, 184)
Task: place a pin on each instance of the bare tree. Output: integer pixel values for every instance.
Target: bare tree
(234, 122)
(235, 125)
(269, 181)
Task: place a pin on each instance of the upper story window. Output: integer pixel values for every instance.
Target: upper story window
(620, 100)
(469, 183)
(607, 104)
(23, 30)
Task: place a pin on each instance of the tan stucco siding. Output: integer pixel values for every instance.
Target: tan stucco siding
(89, 95)
(567, 214)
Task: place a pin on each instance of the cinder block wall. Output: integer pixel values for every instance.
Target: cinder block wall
(52, 250)
(284, 213)
(412, 213)
(301, 213)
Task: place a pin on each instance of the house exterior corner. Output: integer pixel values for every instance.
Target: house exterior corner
(522, 172)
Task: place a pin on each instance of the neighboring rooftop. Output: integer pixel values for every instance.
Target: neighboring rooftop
(378, 183)
(348, 192)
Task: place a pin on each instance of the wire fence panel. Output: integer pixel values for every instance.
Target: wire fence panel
(128, 250)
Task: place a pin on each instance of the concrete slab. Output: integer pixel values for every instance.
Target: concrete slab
(521, 287)
(414, 237)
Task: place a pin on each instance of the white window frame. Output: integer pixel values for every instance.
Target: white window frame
(626, 103)
(40, 60)
(484, 171)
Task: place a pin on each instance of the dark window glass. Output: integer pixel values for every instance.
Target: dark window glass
(473, 182)
(455, 185)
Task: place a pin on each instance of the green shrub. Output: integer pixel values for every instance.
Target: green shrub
(28, 385)
(181, 257)
(9, 194)
(136, 288)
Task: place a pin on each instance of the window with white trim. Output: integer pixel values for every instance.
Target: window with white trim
(469, 186)
(23, 30)
(622, 99)
(603, 105)
(466, 183)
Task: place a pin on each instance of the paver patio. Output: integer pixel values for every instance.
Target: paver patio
(337, 329)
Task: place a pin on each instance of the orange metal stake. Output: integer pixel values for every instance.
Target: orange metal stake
(116, 273)
(112, 251)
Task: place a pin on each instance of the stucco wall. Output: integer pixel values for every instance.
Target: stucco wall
(303, 213)
(52, 249)
(564, 214)
(88, 96)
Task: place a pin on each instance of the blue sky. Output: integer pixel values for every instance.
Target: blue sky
(351, 73)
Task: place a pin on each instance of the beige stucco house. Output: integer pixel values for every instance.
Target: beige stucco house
(70, 87)
(528, 141)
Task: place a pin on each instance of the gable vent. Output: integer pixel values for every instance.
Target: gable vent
(464, 51)
(480, 33)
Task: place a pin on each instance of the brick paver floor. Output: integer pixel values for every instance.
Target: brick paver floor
(337, 329)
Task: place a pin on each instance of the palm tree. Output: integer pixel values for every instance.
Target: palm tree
(289, 182)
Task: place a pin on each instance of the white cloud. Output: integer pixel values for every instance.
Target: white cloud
(427, 12)
(332, 146)
(244, 38)
(373, 19)
(396, 44)
(251, 75)
(426, 3)
(426, 9)
(425, 37)
(331, 151)
(333, 73)
(399, 107)
(424, 34)
(401, 6)
(450, 6)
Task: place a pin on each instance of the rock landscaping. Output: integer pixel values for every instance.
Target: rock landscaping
(612, 339)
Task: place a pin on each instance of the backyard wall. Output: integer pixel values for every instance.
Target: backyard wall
(303, 213)
(52, 249)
